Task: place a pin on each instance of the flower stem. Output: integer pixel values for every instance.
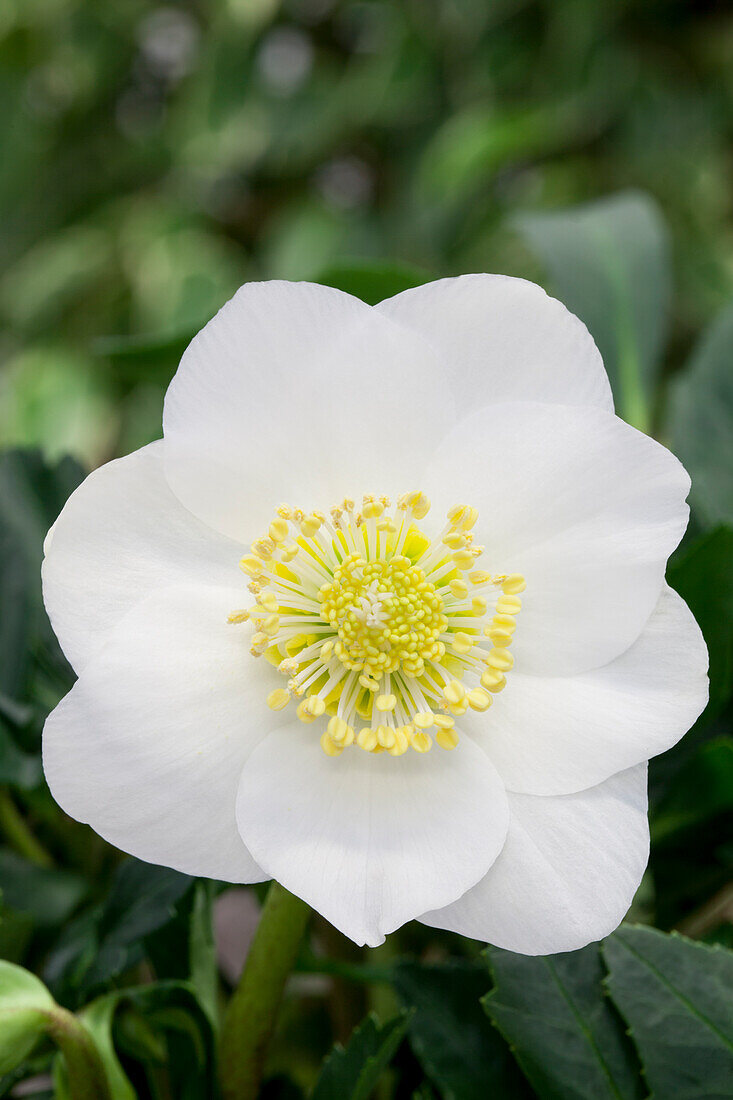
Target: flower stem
(250, 1016)
(86, 1074)
(17, 833)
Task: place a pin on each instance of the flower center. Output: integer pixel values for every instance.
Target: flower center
(379, 631)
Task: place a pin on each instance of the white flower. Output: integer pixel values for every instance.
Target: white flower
(372, 626)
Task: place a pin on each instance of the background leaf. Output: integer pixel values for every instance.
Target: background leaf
(677, 999)
(24, 1006)
(562, 1029)
(608, 261)
(352, 1072)
(450, 1034)
(701, 421)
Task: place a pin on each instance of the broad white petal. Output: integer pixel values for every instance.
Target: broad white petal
(148, 746)
(586, 507)
(121, 536)
(504, 339)
(370, 841)
(300, 393)
(559, 734)
(567, 874)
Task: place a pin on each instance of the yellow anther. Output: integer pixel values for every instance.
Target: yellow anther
(514, 583)
(401, 743)
(498, 636)
(419, 504)
(263, 548)
(478, 606)
(367, 739)
(509, 605)
(500, 659)
(444, 722)
(454, 540)
(278, 699)
(420, 741)
(251, 565)
(315, 705)
(459, 589)
(462, 642)
(493, 680)
(479, 576)
(284, 511)
(303, 713)
(260, 642)
(469, 519)
(371, 508)
(268, 600)
(271, 625)
(329, 746)
(310, 526)
(385, 736)
(278, 530)
(289, 553)
(387, 526)
(463, 559)
(424, 719)
(447, 739)
(326, 651)
(454, 692)
(369, 683)
(479, 700)
(238, 616)
(506, 623)
(386, 703)
(339, 730)
(457, 514)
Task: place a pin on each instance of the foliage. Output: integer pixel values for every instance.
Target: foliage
(153, 159)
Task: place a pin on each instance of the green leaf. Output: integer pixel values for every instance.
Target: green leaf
(703, 789)
(352, 1072)
(608, 261)
(450, 1034)
(704, 570)
(563, 1031)
(101, 943)
(701, 421)
(677, 998)
(97, 1017)
(372, 281)
(24, 1006)
(47, 895)
(202, 950)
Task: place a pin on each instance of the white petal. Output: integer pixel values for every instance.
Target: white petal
(586, 507)
(148, 746)
(558, 734)
(370, 841)
(301, 393)
(121, 536)
(504, 339)
(567, 874)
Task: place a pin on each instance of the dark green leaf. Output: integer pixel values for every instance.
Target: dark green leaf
(202, 950)
(47, 895)
(677, 998)
(352, 1072)
(24, 1006)
(703, 789)
(562, 1029)
(609, 263)
(704, 578)
(372, 282)
(701, 421)
(450, 1034)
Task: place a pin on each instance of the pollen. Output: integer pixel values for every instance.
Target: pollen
(379, 631)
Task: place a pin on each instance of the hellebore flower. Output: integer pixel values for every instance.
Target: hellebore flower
(402, 718)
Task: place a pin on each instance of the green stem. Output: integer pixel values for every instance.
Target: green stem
(17, 833)
(250, 1016)
(85, 1069)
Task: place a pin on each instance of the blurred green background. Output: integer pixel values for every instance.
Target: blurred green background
(154, 157)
